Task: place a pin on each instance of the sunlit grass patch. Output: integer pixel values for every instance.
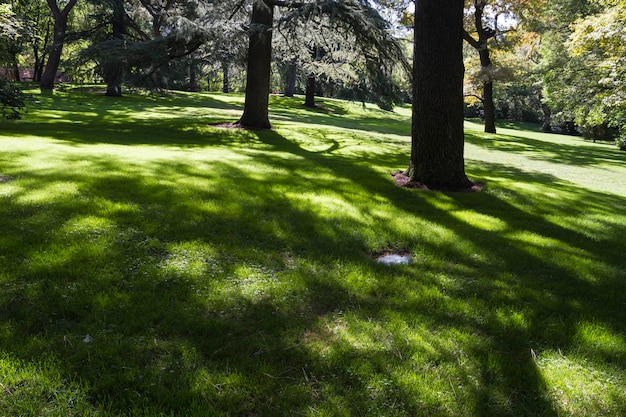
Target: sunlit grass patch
(40, 389)
(579, 387)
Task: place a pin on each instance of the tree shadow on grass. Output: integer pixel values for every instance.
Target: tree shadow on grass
(546, 287)
(579, 155)
(218, 289)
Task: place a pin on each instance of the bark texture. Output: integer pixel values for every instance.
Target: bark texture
(437, 159)
(58, 40)
(255, 111)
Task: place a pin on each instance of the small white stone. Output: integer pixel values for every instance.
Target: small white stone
(88, 339)
(394, 259)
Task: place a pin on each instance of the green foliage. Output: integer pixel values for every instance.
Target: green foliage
(584, 67)
(362, 59)
(13, 100)
(620, 141)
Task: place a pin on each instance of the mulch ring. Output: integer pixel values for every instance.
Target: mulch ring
(403, 180)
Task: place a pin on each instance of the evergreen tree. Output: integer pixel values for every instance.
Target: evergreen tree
(363, 22)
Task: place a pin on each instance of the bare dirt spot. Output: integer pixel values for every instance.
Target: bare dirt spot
(5, 178)
(226, 125)
(402, 180)
(393, 257)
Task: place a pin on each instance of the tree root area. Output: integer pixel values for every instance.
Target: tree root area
(235, 125)
(403, 180)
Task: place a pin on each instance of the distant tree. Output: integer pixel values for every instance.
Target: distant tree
(557, 69)
(437, 137)
(56, 50)
(11, 31)
(353, 16)
(37, 34)
(487, 25)
(597, 47)
(481, 44)
(113, 65)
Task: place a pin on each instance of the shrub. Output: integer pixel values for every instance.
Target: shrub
(12, 100)
(620, 141)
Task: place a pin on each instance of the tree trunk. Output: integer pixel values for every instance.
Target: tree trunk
(482, 46)
(546, 127)
(193, 76)
(291, 80)
(54, 58)
(309, 96)
(485, 62)
(489, 107)
(225, 79)
(437, 135)
(256, 106)
(113, 66)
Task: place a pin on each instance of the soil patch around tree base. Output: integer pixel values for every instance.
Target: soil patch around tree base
(227, 125)
(403, 180)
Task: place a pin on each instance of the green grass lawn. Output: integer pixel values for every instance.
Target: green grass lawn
(154, 265)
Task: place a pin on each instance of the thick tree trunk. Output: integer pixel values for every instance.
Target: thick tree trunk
(437, 159)
(113, 67)
(112, 72)
(256, 106)
(54, 58)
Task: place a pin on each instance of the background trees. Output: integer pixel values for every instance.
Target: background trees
(359, 19)
(558, 61)
(585, 69)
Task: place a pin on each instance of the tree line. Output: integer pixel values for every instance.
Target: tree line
(558, 61)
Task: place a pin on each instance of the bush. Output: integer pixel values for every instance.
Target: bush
(620, 141)
(12, 100)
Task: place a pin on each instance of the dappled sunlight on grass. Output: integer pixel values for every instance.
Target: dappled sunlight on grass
(230, 272)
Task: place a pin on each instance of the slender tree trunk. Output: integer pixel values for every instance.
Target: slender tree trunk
(547, 122)
(482, 46)
(309, 96)
(16, 70)
(38, 67)
(437, 144)
(291, 80)
(226, 78)
(58, 40)
(256, 106)
(488, 104)
(489, 107)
